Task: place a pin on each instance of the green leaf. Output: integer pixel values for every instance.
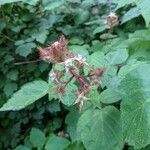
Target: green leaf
(49, 5)
(33, 2)
(75, 146)
(96, 46)
(141, 5)
(126, 69)
(9, 88)
(13, 75)
(117, 57)
(109, 76)
(53, 106)
(135, 106)
(93, 95)
(25, 49)
(56, 143)
(145, 11)
(76, 40)
(52, 90)
(81, 16)
(132, 13)
(82, 50)
(100, 29)
(2, 2)
(68, 98)
(71, 121)
(101, 129)
(37, 138)
(74, 1)
(28, 94)
(139, 40)
(110, 95)
(96, 59)
(21, 147)
(2, 24)
(40, 35)
(122, 3)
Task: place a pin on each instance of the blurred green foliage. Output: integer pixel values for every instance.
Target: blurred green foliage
(47, 123)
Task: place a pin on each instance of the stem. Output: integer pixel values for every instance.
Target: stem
(68, 81)
(79, 78)
(5, 36)
(27, 62)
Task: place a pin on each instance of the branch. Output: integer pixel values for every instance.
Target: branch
(27, 62)
(5, 36)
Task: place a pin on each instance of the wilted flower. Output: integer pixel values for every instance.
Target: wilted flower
(69, 65)
(112, 20)
(57, 52)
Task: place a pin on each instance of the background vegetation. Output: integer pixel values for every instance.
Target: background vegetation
(124, 50)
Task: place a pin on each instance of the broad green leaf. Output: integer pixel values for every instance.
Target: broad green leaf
(71, 121)
(40, 35)
(93, 95)
(13, 75)
(37, 138)
(28, 94)
(31, 2)
(52, 90)
(68, 98)
(74, 1)
(2, 24)
(108, 77)
(141, 5)
(49, 5)
(117, 57)
(96, 59)
(76, 40)
(132, 13)
(56, 143)
(96, 46)
(53, 106)
(75, 146)
(144, 9)
(2, 2)
(81, 16)
(25, 49)
(139, 40)
(82, 50)
(146, 148)
(101, 129)
(9, 88)
(135, 106)
(107, 36)
(110, 95)
(21, 147)
(127, 68)
(122, 3)
(142, 55)
(100, 29)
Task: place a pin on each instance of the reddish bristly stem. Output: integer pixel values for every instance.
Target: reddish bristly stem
(79, 78)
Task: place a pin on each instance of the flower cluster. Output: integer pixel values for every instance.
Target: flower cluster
(57, 52)
(72, 64)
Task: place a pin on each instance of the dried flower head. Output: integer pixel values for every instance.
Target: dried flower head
(112, 20)
(57, 52)
(68, 66)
